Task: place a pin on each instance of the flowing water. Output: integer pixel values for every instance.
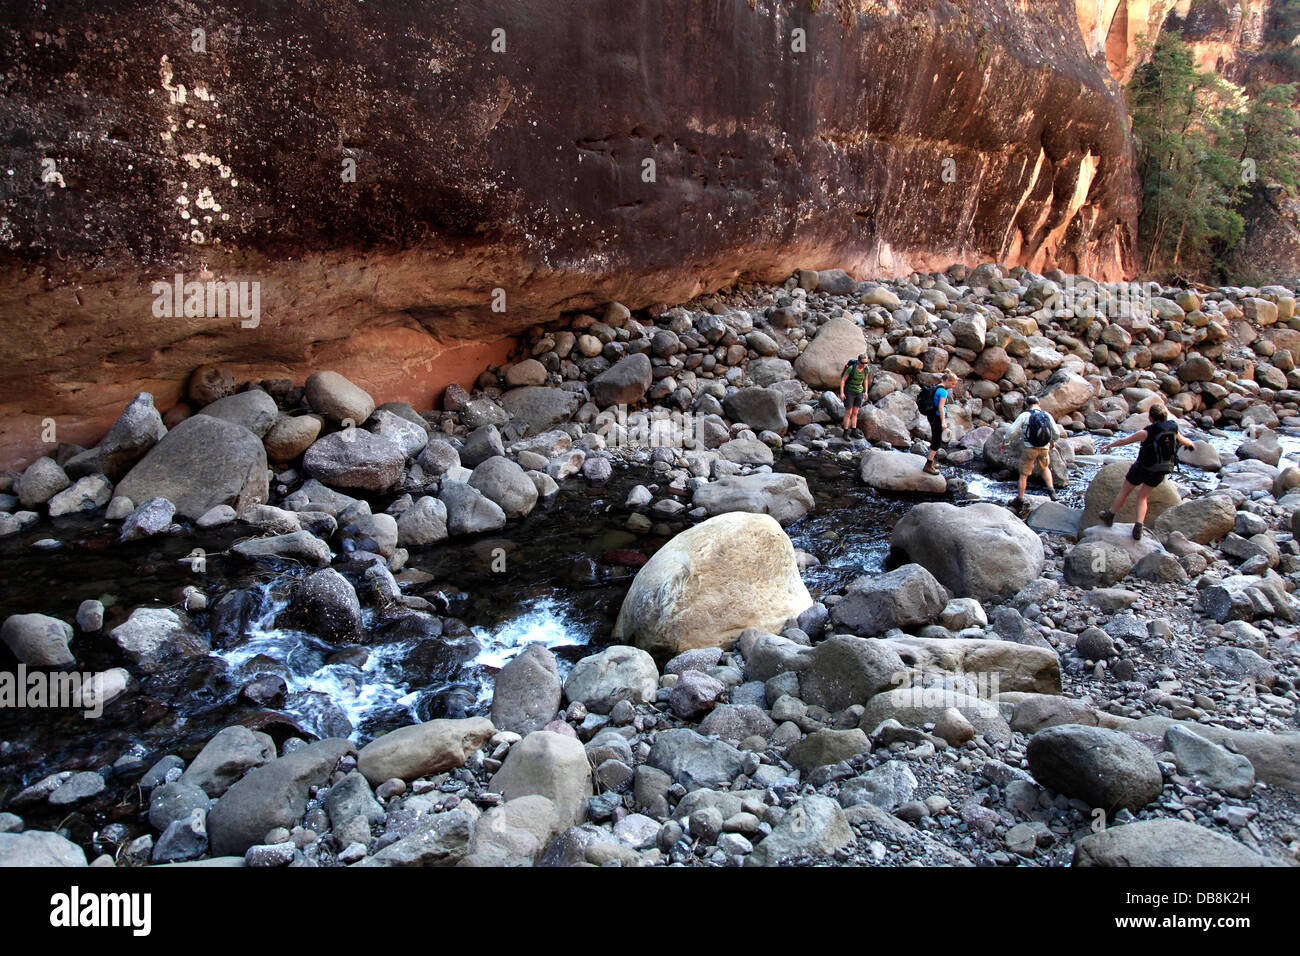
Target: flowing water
(549, 578)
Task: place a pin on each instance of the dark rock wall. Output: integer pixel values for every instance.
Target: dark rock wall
(520, 170)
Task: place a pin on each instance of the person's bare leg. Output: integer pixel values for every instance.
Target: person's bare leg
(1108, 516)
(1139, 527)
(1122, 497)
(1143, 494)
(1021, 484)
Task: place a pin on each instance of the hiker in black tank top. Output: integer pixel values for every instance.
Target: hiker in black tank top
(1147, 457)
(1156, 459)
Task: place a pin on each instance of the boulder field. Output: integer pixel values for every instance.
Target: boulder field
(981, 696)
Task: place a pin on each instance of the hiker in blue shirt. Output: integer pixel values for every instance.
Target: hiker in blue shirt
(1156, 458)
(933, 404)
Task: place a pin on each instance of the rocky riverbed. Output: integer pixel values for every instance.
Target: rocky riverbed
(636, 599)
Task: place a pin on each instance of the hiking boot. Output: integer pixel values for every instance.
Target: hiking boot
(1137, 530)
(1017, 504)
(931, 468)
(1107, 517)
(1051, 494)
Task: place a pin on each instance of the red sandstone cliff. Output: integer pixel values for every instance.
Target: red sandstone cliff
(129, 156)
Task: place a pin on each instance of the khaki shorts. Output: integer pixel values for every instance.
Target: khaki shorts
(1032, 457)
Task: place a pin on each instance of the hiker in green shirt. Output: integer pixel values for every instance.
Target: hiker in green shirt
(854, 383)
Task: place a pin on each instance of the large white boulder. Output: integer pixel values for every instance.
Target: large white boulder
(822, 363)
(711, 582)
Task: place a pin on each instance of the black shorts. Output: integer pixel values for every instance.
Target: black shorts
(1141, 475)
(936, 432)
(853, 399)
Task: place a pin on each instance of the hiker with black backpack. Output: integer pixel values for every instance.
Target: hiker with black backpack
(1157, 458)
(854, 382)
(1039, 434)
(933, 404)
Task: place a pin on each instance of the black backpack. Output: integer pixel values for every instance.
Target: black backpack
(928, 400)
(1038, 430)
(1164, 448)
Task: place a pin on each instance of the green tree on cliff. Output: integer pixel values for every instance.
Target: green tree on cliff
(1271, 137)
(1189, 146)
(1205, 151)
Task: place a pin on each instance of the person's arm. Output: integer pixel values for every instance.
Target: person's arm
(1185, 441)
(943, 408)
(843, 381)
(1058, 433)
(1136, 436)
